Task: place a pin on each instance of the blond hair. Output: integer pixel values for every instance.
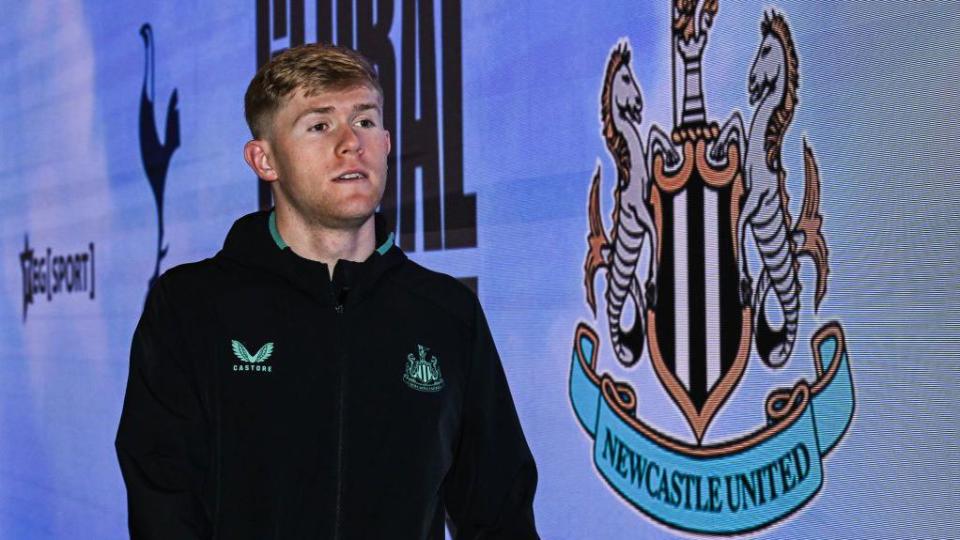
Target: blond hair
(313, 68)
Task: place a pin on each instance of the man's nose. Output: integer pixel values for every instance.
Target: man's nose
(349, 141)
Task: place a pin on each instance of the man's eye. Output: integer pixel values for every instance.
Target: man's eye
(366, 122)
(321, 126)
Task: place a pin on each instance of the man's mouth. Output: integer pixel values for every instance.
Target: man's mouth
(350, 175)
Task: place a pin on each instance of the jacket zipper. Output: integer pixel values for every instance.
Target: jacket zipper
(341, 360)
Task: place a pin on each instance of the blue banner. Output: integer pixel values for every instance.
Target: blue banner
(733, 487)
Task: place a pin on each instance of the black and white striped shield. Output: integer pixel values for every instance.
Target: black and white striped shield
(698, 333)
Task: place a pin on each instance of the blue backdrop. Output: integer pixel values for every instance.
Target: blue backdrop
(510, 94)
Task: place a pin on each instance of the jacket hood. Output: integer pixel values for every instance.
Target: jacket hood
(254, 242)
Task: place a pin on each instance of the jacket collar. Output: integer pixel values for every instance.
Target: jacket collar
(254, 241)
(383, 239)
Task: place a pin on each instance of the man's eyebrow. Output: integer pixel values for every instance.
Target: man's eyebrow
(314, 110)
(359, 107)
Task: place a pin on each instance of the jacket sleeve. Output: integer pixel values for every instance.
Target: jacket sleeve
(161, 442)
(488, 492)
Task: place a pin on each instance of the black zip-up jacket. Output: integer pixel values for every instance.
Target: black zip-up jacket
(264, 402)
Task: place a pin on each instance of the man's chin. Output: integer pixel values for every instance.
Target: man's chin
(346, 219)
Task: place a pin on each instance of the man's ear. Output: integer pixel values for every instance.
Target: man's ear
(258, 155)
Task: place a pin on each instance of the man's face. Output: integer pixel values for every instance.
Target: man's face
(330, 152)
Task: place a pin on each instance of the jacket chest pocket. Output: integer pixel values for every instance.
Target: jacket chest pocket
(404, 402)
(268, 383)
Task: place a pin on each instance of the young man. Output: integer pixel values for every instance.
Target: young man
(310, 381)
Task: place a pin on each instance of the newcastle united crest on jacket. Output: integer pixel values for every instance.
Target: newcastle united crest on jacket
(702, 263)
(422, 374)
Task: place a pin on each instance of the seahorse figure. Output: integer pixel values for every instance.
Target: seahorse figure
(621, 107)
(772, 86)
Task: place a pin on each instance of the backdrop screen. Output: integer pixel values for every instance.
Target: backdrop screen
(715, 241)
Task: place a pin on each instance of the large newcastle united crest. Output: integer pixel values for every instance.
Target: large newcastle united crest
(702, 267)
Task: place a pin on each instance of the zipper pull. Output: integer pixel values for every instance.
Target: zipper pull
(339, 309)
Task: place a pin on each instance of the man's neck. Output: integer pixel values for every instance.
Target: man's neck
(317, 242)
